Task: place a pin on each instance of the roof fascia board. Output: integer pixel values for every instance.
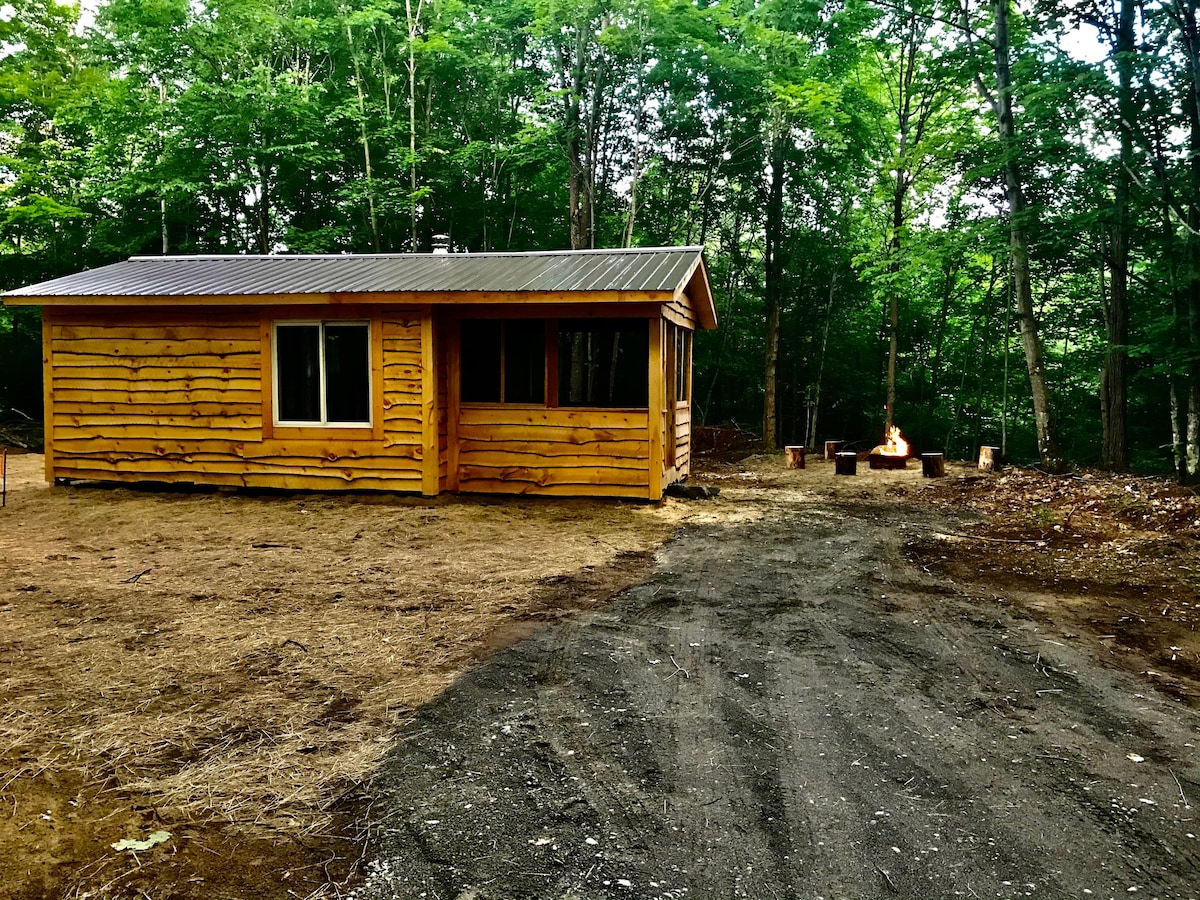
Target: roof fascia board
(402, 298)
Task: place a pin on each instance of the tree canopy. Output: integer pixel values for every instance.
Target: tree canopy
(979, 220)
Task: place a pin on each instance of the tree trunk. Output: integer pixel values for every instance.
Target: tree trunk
(412, 19)
(894, 299)
(580, 203)
(773, 265)
(1114, 379)
(816, 401)
(1048, 451)
(1191, 270)
(366, 145)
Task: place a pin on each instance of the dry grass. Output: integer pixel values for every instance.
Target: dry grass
(242, 661)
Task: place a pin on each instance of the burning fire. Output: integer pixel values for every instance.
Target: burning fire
(895, 445)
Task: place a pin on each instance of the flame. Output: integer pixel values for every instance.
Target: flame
(895, 445)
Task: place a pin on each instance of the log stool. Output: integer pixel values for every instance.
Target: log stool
(989, 459)
(846, 463)
(933, 465)
(832, 448)
(795, 457)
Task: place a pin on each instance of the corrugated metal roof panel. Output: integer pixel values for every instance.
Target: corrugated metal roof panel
(658, 269)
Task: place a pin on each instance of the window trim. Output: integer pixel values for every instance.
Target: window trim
(343, 429)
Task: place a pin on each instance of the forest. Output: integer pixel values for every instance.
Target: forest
(977, 220)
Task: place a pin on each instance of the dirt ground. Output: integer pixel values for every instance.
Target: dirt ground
(813, 686)
(227, 668)
(857, 688)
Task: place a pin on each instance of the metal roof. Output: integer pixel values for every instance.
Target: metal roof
(640, 270)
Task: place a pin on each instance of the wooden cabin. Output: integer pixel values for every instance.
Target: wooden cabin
(565, 373)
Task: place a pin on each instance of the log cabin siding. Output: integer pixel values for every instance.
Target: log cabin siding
(402, 377)
(534, 450)
(683, 440)
(168, 398)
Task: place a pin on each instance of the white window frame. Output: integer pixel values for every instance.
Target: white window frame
(276, 381)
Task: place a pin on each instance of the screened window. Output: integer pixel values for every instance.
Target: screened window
(323, 373)
(683, 364)
(603, 362)
(503, 361)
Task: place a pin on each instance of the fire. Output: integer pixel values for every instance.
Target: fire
(895, 445)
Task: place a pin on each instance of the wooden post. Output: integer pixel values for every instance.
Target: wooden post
(933, 465)
(430, 450)
(846, 463)
(989, 459)
(795, 457)
(48, 321)
(832, 448)
(656, 413)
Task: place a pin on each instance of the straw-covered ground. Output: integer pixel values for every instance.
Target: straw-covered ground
(217, 678)
(224, 668)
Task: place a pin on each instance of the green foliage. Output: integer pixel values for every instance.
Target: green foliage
(269, 125)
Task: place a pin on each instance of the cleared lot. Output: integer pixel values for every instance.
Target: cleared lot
(818, 686)
(227, 667)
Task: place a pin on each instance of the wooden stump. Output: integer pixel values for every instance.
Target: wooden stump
(795, 457)
(989, 459)
(846, 462)
(832, 448)
(933, 465)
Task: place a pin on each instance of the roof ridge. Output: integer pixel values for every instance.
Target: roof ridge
(181, 257)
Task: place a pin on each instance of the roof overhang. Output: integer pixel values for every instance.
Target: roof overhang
(640, 275)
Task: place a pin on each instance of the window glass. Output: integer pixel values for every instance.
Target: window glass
(525, 361)
(603, 362)
(323, 373)
(503, 361)
(347, 373)
(481, 356)
(683, 363)
(298, 371)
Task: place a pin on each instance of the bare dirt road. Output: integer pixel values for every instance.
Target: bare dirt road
(798, 702)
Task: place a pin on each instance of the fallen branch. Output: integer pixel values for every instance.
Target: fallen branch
(133, 578)
(887, 878)
(979, 537)
(1182, 796)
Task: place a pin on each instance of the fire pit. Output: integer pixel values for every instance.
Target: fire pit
(887, 461)
(892, 454)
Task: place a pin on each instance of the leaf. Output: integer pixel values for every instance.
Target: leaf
(157, 837)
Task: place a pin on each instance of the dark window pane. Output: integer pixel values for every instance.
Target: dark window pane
(347, 373)
(604, 363)
(525, 361)
(683, 364)
(298, 358)
(480, 357)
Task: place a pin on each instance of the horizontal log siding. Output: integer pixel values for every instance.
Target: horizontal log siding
(134, 398)
(681, 312)
(572, 452)
(402, 387)
(683, 440)
(178, 398)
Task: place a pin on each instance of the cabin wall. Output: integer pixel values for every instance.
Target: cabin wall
(184, 397)
(683, 441)
(534, 450)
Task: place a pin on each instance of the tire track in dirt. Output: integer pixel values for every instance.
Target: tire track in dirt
(788, 709)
